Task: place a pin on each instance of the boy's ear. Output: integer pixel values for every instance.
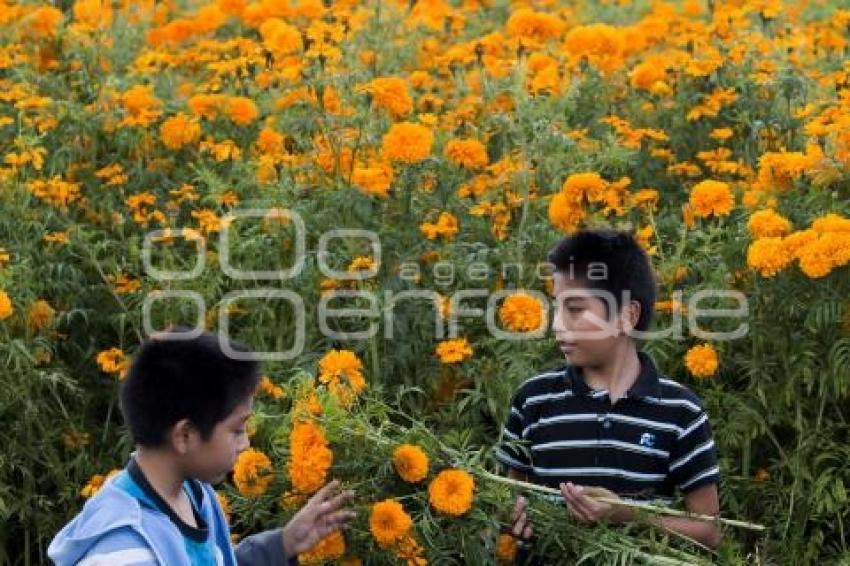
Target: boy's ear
(182, 436)
(630, 316)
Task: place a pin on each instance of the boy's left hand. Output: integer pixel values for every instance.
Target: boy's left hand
(321, 515)
(583, 506)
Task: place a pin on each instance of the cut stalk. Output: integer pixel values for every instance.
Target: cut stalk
(649, 507)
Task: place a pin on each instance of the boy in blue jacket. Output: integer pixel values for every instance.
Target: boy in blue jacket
(186, 404)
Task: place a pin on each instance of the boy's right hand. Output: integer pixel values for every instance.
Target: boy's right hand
(321, 515)
(521, 527)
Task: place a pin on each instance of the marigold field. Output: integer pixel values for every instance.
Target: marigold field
(467, 136)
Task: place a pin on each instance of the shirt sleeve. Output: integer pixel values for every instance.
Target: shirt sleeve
(121, 547)
(510, 451)
(263, 549)
(693, 460)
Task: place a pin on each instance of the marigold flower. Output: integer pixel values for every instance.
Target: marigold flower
(310, 458)
(113, 361)
(701, 360)
(767, 223)
(391, 94)
(407, 142)
(96, 483)
(768, 256)
(332, 547)
(565, 214)
(468, 153)
(179, 131)
(411, 463)
(454, 351)
(252, 473)
(537, 26)
(271, 389)
(521, 312)
(242, 110)
(711, 198)
(374, 179)
(341, 371)
(40, 316)
(389, 522)
(506, 547)
(6, 308)
(451, 492)
(446, 226)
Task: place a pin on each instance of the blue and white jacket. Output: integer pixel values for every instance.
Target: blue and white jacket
(116, 529)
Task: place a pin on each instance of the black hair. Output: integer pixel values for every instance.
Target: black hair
(173, 378)
(626, 267)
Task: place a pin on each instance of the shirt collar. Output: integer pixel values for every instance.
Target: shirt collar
(647, 383)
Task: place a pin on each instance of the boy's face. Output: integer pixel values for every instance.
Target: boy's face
(581, 326)
(211, 460)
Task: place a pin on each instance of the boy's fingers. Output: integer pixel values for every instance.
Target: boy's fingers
(340, 518)
(519, 507)
(335, 503)
(520, 524)
(326, 492)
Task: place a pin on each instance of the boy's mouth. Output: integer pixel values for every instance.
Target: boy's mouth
(566, 347)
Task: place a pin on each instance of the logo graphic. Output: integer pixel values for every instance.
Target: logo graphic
(647, 439)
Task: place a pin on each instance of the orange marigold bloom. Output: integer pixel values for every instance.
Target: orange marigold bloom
(446, 226)
(252, 473)
(113, 361)
(6, 307)
(601, 44)
(391, 94)
(310, 458)
(701, 360)
(767, 223)
(521, 312)
(93, 14)
(281, 38)
(824, 254)
(389, 522)
(469, 153)
(451, 492)
(40, 316)
(42, 22)
(648, 73)
(411, 463)
(375, 179)
(407, 142)
(179, 131)
(454, 351)
(96, 482)
(271, 389)
(341, 371)
(537, 26)
(711, 198)
(768, 256)
(506, 547)
(207, 105)
(564, 213)
(242, 110)
(332, 547)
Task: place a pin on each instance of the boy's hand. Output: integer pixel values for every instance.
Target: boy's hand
(521, 529)
(582, 505)
(321, 515)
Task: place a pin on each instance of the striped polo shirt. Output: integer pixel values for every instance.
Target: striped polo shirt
(652, 441)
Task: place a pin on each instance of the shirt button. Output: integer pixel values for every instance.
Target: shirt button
(606, 424)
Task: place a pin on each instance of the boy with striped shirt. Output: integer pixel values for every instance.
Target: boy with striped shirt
(609, 423)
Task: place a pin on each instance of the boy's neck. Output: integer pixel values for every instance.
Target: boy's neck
(161, 472)
(618, 374)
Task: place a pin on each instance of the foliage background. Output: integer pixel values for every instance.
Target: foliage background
(89, 168)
